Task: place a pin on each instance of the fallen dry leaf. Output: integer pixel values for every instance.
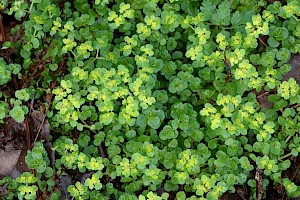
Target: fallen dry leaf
(242, 192)
(13, 129)
(264, 102)
(85, 176)
(21, 166)
(40, 125)
(51, 154)
(64, 182)
(8, 162)
(1, 136)
(295, 69)
(230, 196)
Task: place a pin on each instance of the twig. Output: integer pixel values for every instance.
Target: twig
(31, 103)
(44, 117)
(295, 173)
(2, 29)
(4, 38)
(27, 132)
(259, 184)
(37, 65)
(267, 92)
(101, 151)
(103, 155)
(296, 106)
(262, 42)
(15, 82)
(40, 128)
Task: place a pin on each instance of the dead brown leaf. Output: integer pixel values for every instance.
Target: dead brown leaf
(295, 69)
(40, 125)
(230, 196)
(21, 165)
(51, 154)
(264, 102)
(8, 162)
(242, 192)
(64, 182)
(13, 129)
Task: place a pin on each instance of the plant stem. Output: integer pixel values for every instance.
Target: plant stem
(285, 156)
(287, 139)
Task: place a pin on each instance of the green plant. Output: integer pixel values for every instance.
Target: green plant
(151, 96)
(7, 70)
(22, 187)
(37, 158)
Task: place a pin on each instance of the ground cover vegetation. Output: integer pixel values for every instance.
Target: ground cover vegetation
(150, 99)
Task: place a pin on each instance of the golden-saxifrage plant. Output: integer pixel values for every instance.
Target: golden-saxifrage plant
(167, 88)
